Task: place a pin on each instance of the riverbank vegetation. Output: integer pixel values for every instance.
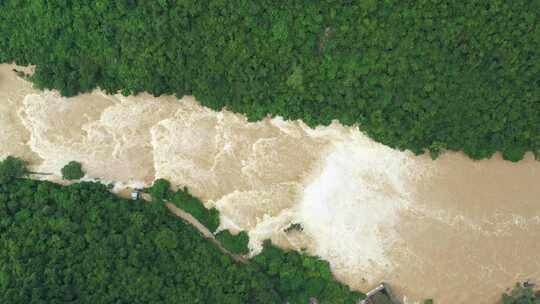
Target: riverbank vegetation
(192, 205)
(522, 293)
(82, 244)
(421, 75)
(237, 244)
(161, 191)
(72, 171)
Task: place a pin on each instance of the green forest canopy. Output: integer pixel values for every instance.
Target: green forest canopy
(438, 75)
(82, 244)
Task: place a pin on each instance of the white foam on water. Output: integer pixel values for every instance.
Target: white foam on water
(351, 208)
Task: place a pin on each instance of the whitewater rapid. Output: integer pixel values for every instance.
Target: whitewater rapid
(452, 229)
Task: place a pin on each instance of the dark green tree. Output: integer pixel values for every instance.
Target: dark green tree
(12, 168)
(160, 189)
(72, 171)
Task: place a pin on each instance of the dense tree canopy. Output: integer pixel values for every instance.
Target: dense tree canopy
(438, 75)
(81, 244)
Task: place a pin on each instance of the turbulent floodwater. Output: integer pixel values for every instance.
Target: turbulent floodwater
(456, 230)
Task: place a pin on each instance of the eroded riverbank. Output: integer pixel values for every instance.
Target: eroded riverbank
(452, 229)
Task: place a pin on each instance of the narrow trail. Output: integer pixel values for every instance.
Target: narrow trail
(188, 218)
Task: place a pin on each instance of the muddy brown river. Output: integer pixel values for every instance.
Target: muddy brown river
(454, 229)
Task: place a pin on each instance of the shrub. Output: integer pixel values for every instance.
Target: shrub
(522, 294)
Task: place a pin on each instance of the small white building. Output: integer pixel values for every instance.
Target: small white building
(135, 194)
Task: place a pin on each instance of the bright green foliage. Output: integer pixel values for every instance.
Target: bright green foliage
(429, 301)
(237, 244)
(160, 189)
(11, 168)
(300, 277)
(73, 170)
(458, 75)
(522, 294)
(192, 205)
(81, 244)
